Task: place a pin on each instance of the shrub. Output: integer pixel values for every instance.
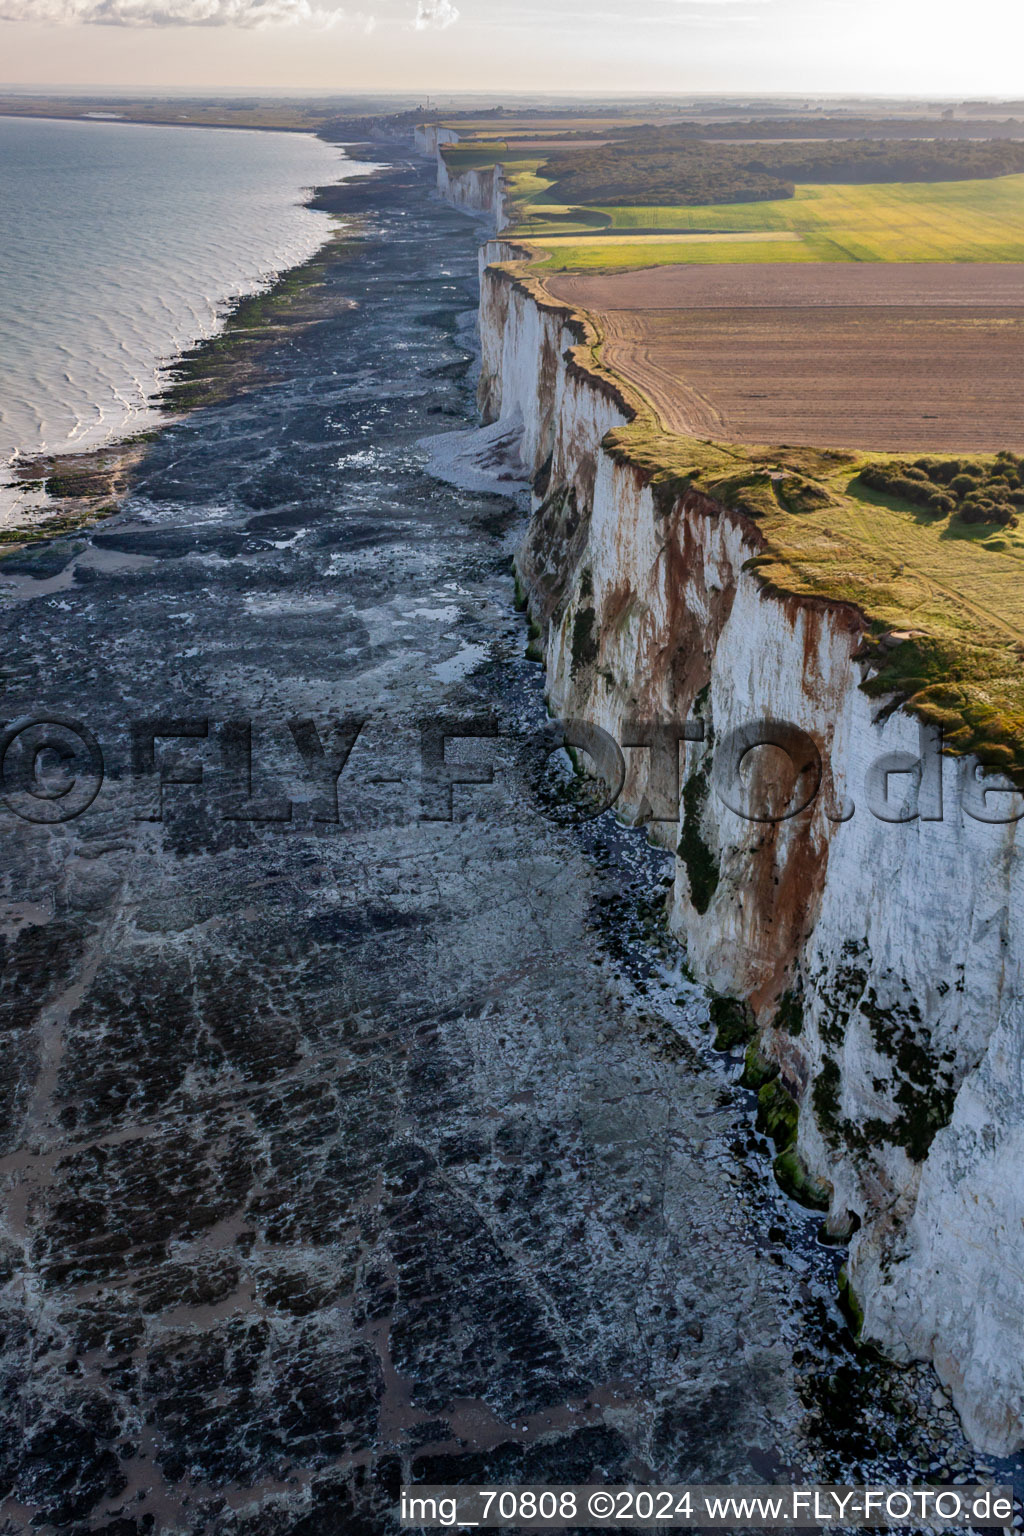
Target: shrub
(983, 510)
(978, 493)
(901, 480)
(733, 1021)
(945, 470)
(799, 494)
(702, 871)
(777, 1114)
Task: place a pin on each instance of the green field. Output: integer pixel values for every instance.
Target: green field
(472, 156)
(921, 221)
(574, 255)
(522, 179)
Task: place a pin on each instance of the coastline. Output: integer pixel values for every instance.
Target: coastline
(649, 592)
(136, 122)
(85, 487)
(440, 971)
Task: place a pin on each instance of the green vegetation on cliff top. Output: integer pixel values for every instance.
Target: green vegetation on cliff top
(973, 218)
(942, 594)
(657, 168)
(943, 597)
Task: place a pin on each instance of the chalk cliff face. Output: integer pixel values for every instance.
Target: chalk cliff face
(479, 190)
(881, 957)
(429, 137)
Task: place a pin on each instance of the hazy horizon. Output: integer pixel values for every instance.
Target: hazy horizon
(133, 88)
(674, 47)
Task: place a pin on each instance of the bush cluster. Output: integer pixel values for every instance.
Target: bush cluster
(974, 492)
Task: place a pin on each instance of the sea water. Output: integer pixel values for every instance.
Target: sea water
(120, 244)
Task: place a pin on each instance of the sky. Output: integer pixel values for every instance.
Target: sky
(934, 48)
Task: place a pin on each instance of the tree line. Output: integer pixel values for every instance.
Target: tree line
(643, 169)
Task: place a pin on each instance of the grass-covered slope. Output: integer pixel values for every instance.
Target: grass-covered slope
(953, 591)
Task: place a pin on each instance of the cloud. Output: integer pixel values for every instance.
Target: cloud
(435, 13)
(171, 13)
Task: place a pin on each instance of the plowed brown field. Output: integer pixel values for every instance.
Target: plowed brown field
(885, 357)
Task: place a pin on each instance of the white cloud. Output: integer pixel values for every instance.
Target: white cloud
(171, 13)
(435, 13)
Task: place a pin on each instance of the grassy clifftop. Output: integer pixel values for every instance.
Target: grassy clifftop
(937, 578)
(941, 597)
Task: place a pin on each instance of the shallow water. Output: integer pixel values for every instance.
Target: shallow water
(337, 1152)
(119, 245)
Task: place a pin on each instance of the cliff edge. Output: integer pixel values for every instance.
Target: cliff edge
(854, 890)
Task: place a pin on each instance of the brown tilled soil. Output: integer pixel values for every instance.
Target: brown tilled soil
(886, 357)
(787, 284)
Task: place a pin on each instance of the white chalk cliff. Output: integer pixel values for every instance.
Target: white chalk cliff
(882, 958)
(475, 190)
